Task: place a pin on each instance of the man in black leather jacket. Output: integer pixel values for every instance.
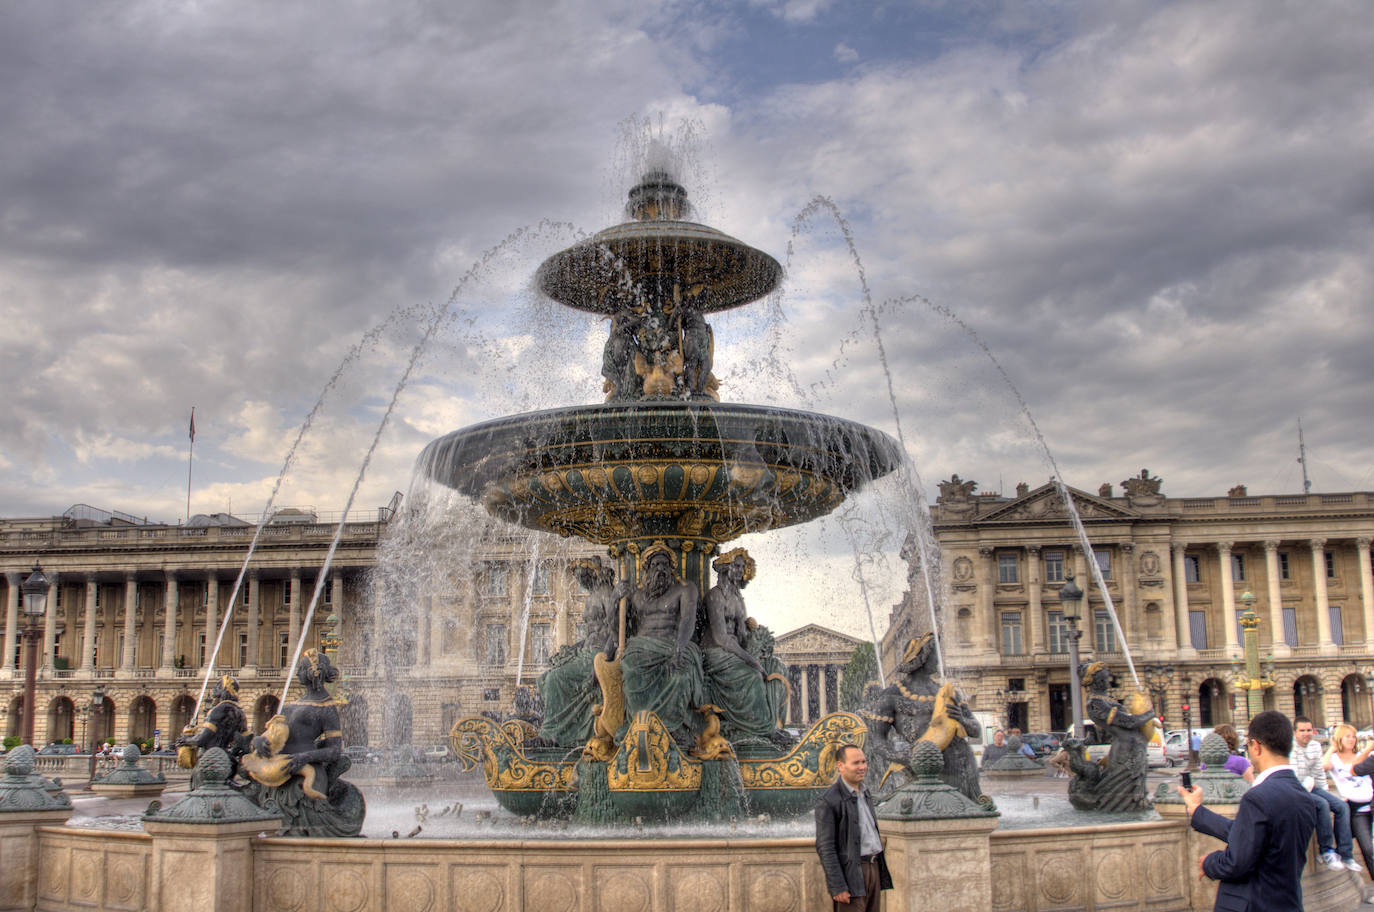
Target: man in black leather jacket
(847, 839)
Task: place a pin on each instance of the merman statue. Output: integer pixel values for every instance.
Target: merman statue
(917, 708)
(736, 681)
(1117, 782)
(570, 688)
(296, 763)
(225, 727)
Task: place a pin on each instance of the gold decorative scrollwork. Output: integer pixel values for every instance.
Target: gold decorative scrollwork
(811, 764)
(649, 760)
(504, 766)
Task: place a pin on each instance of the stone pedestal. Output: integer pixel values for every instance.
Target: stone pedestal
(204, 867)
(939, 864)
(19, 855)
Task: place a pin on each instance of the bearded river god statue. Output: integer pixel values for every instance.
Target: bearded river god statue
(294, 766)
(914, 708)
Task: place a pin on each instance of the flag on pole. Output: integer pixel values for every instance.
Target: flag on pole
(193, 424)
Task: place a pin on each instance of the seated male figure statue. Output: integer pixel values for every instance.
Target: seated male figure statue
(661, 666)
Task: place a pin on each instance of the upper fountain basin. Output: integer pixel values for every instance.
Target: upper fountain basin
(614, 472)
(602, 273)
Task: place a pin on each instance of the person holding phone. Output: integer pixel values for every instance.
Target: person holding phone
(1340, 762)
(1266, 845)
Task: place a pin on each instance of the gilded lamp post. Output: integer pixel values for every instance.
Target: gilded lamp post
(1070, 597)
(1252, 680)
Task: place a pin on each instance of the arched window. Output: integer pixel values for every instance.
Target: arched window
(1307, 699)
(61, 715)
(142, 719)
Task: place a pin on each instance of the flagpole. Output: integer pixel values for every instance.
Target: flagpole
(190, 459)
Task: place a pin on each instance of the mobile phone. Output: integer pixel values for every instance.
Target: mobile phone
(1186, 778)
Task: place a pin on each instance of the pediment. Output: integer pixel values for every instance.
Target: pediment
(1044, 503)
(813, 638)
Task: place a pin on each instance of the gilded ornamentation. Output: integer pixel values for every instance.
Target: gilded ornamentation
(649, 760)
(504, 766)
(710, 744)
(811, 764)
(610, 715)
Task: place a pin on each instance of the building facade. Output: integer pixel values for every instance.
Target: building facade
(135, 610)
(1176, 572)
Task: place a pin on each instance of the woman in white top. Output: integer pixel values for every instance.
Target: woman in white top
(1341, 755)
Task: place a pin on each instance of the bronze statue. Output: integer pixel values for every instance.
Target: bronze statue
(735, 679)
(917, 708)
(569, 687)
(661, 666)
(1117, 782)
(224, 727)
(296, 763)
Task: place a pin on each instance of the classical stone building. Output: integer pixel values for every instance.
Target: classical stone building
(135, 609)
(1176, 570)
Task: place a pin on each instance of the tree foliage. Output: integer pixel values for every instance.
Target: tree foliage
(862, 668)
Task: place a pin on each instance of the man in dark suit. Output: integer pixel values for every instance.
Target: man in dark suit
(1266, 845)
(847, 838)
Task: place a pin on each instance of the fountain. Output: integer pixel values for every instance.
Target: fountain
(663, 474)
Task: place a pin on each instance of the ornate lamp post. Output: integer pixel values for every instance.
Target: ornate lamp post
(1070, 598)
(96, 709)
(1158, 678)
(35, 590)
(1252, 680)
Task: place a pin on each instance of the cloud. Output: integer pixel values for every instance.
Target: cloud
(846, 54)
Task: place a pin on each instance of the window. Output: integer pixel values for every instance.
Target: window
(246, 587)
(284, 643)
(1104, 562)
(1011, 633)
(541, 643)
(1104, 637)
(449, 642)
(95, 652)
(1284, 572)
(580, 631)
(1058, 632)
(201, 663)
(97, 596)
(1192, 569)
(1238, 567)
(1337, 630)
(495, 644)
(328, 596)
(243, 649)
(286, 593)
(1006, 567)
(541, 579)
(161, 644)
(491, 694)
(1054, 566)
(57, 602)
(1330, 565)
(496, 579)
(1290, 625)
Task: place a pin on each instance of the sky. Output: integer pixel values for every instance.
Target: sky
(1155, 216)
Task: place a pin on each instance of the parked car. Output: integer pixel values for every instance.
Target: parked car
(59, 750)
(361, 753)
(440, 753)
(1044, 744)
(1154, 755)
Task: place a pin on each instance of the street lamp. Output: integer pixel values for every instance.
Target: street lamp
(1070, 597)
(1158, 678)
(97, 707)
(35, 590)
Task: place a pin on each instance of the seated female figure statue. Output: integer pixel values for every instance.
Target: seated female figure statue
(735, 679)
(1116, 783)
(296, 763)
(569, 688)
(224, 727)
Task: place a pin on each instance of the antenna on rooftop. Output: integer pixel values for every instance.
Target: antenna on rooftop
(1302, 459)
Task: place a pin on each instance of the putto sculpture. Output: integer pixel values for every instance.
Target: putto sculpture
(663, 474)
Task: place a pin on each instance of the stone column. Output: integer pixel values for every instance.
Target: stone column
(1131, 626)
(805, 719)
(1086, 619)
(211, 618)
(12, 583)
(126, 661)
(426, 634)
(1228, 599)
(1366, 587)
(254, 593)
(50, 625)
(1183, 629)
(294, 622)
(171, 596)
(987, 593)
(88, 635)
(1324, 641)
(1036, 643)
(1278, 645)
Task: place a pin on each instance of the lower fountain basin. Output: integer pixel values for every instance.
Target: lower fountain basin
(614, 472)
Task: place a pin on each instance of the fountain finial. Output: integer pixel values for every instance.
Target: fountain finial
(657, 197)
